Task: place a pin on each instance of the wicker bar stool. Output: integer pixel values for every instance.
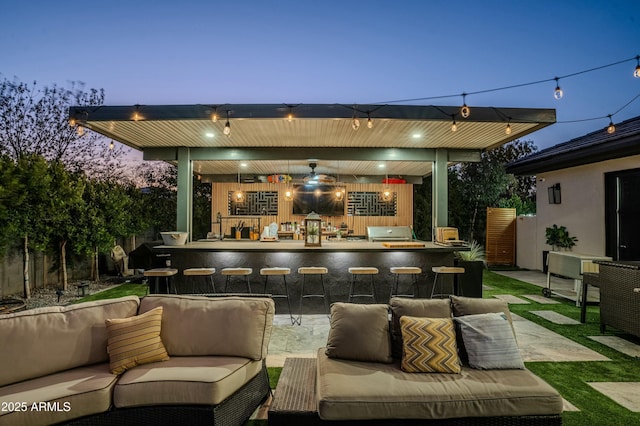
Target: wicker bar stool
(200, 272)
(283, 272)
(166, 273)
(362, 270)
(237, 272)
(414, 271)
(445, 270)
(313, 270)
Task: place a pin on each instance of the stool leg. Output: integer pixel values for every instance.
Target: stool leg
(414, 285)
(373, 288)
(286, 289)
(351, 287)
(213, 286)
(266, 280)
(304, 277)
(325, 296)
(226, 283)
(248, 285)
(433, 289)
(394, 288)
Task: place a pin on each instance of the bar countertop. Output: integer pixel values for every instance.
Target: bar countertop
(298, 246)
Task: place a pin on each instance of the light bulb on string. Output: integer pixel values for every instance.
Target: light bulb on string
(111, 146)
(454, 126)
(508, 129)
(558, 93)
(636, 72)
(611, 128)
(369, 121)
(290, 115)
(355, 122)
(227, 126)
(214, 115)
(465, 111)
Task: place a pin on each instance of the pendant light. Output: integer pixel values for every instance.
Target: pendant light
(288, 192)
(227, 128)
(465, 111)
(558, 93)
(238, 196)
(611, 128)
(387, 195)
(339, 193)
(636, 72)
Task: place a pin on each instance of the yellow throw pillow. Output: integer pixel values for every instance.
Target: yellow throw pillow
(429, 345)
(135, 341)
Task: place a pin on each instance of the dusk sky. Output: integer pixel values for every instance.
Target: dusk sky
(352, 52)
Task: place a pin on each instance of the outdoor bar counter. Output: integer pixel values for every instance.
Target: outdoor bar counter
(336, 255)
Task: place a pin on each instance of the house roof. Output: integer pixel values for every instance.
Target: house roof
(591, 148)
(405, 136)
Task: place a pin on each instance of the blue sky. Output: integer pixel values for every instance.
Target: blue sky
(170, 52)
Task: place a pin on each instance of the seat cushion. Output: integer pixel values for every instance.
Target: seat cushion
(363, 391)
(207, 380)
(73, 393)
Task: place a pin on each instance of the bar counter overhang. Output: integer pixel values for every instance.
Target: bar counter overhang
(337, 256)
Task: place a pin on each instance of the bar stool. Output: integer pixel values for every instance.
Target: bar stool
(313, 270)
(158, 273)
(445, 270)
(414, 271)
(200, 272)
(362, 270)
(283, 272)
(237, 272)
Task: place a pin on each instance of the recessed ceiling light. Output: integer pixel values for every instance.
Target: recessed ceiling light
(243, 164)
(381, 166)
(416, 136)
(209, 134)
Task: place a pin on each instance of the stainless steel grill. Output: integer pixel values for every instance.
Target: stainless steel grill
(389, 233)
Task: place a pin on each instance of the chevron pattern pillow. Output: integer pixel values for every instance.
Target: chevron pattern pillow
(429, 345)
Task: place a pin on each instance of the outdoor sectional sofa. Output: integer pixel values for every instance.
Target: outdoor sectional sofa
(448, 361)
(208, 362)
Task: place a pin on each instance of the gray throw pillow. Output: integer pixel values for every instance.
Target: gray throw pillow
(359, 332)
(489, 341)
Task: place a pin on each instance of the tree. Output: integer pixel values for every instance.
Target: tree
(35, 121)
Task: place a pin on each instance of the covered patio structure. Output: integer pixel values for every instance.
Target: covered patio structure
(346, 140)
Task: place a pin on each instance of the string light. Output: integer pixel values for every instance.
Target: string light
(636, 72)
(290, 115)
(72, 122)
(80, 131)
(454, 126)
(111, 145)
(558, 93)
(369, 121)
(355, 123)
(227, 126)
(214, 115)
(508, 129)
(288, 193)
(465, 111)
(136, 114)
(611, 128)
(238, 196)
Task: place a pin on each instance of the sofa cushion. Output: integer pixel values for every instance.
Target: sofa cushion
(70, 336)
(489, 341)
(363, 390)
(429, 345)
(207, 380)
(359, 332)
(225, 326)
(430, 308)
(135, 341)
(75, 393)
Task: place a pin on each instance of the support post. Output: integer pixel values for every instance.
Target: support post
(185, 192)
(440, 196)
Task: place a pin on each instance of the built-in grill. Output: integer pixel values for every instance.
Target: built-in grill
(389, 233)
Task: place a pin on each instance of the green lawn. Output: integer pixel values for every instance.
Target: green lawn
(569, 378)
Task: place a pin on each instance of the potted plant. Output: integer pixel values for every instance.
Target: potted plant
(473, 261)
(558, 238)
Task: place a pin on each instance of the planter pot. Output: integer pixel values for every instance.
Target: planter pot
(470, 283)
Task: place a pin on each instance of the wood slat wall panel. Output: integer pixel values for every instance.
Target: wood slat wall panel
(501, 236)
(404, 206)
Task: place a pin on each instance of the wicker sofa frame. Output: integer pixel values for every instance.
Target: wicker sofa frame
(233, 411)
(620, 296)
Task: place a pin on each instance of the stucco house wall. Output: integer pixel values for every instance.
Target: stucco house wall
(582, 209)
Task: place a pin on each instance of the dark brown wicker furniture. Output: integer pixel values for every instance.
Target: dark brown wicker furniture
(620, 296)
(234, 411)
(294, 404)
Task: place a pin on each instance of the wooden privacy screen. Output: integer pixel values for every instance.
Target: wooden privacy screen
(501, 236)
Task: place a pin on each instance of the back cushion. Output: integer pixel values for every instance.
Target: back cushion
(425, 308)
(225, 326)
(43, 341)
